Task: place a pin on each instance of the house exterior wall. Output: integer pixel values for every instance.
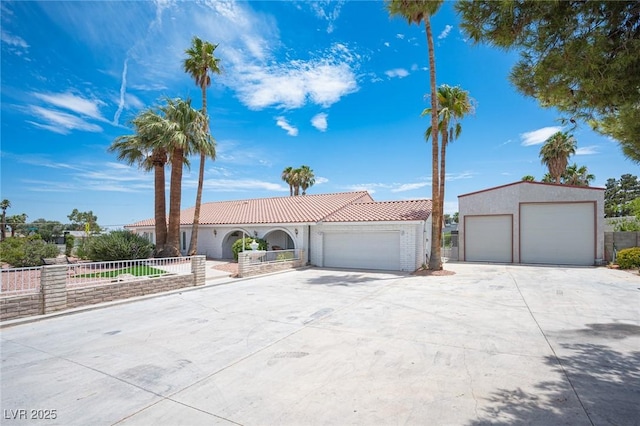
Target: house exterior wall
(507, 200)
(412, 240)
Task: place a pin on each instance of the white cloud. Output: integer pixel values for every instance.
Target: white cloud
(71, 102)
(230, 185)
(409, 186)
(387, 44)
(328, 10)
(400, 36)
(587, 150)
(320, 180)
(61, 122)
(536, 137)
(319, 121)
(397, 72)
(12, 40)
(445, 32)
(282, 123)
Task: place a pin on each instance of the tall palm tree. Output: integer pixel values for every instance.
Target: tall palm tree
(415, 12)
(144, 149)
(295, 178)
(307, 178)
(286, 176)
(4, 205)
(200, 62)
(453, 104)
(182, 132)
(15, 222)
(578, 176)
(555, 153)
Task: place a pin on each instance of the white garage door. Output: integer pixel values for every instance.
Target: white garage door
(488, 238)
(557, 233)
(362, 250)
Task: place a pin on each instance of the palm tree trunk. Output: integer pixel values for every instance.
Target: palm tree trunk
(443, 153)
(172, 247)
(160, 207)
(193, 243)
(435, 260)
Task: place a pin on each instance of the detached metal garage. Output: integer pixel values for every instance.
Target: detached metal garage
(532, 222)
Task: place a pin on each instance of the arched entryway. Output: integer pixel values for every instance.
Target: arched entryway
(228, 241)
(279, 239)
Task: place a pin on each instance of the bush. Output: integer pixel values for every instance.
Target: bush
(629, 258)
(118, 245)
(22, 252)
(69, 242)
(287, 255)
(626, 225)
(237, 246)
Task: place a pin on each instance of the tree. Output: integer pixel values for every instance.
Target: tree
(49, 230)
(577, 176)
(528, 178)
(144, 149)
(16, 222)
(307, 178)
(181, 131)
(286, 176)
(555, 153)
(4, 205)
(200, 62)
(415, 12)
(456, 216)
(619, 194)
(453, 103)
(83, 221)
(580, 57)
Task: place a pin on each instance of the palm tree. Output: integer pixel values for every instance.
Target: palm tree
(307, 178)
(453, 103)
(295, 178)
(183, 133)
(143, 148)
(4, 205)
(528, 178)
(199, 63)
(15, 222)
(555, 153)
(286, 176)
(415, 12)
(577, 176)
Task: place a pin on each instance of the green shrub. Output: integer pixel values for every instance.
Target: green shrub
(69, 242)
(626, 225)
(118, 245)
(629, 258)
(237, 246)
(21, 252)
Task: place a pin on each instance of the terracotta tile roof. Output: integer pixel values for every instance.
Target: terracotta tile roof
(300, 209)
(382, 211)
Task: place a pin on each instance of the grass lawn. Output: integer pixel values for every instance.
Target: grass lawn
(138, 271)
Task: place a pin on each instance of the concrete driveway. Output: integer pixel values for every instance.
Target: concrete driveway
(492, 344)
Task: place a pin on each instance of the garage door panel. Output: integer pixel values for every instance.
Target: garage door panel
(488, 238)
(557, 233)
(362, 250)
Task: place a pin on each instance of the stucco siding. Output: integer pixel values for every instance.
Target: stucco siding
(507, 200)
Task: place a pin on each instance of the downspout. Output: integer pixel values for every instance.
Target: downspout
(308, 244)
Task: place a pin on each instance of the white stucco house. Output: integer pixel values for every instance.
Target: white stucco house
(532, 222)
(342, 230)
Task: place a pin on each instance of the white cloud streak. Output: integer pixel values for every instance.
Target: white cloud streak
(283, 124)
(12, 40)
(397, 73)
(587, 150)
(445, 32)
(536, 137)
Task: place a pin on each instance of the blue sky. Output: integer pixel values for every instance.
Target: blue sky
(338, 86)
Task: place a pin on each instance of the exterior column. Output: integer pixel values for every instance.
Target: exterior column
(198, 269)
(53, 285)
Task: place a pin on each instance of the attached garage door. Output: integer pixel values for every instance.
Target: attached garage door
(488, 238)
(362, 250)
(557, 233)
